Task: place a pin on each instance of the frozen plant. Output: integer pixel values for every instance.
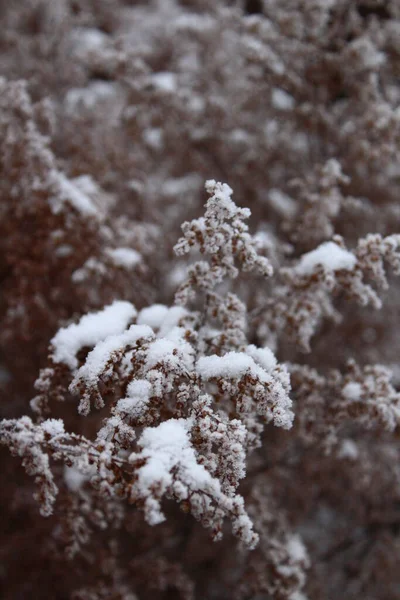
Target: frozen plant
(244, 387)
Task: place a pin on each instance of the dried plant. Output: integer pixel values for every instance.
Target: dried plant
(236, 385)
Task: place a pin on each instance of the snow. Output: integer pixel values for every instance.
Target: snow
(164, 81)
(172, 319)
(181, 185)
(348, 449)
(167, 448)
(87, 184)
(263, 357)
(296, 549)
(90, 330)
(68, 191)
(53, 427)
(194, 23)
(176, 353)
(88, 39)
(89, 96)
(240, 135)
(137, 398)
(282, 203)
(74, 479)
(161, 317)
(330, 255)
(352, 391)
(281, 100)
(370, 56)
(98, 358)
(153, 316)
(159, 351)
(221, 192)
(63, 251)
(258, 51)
(232, 365)
(177, 275)
(296, 595)
(124, 257)
(154, 137)
(92, 265)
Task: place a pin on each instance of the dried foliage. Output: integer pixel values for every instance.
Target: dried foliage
(238, 384)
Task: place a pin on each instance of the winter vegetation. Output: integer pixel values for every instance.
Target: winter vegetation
(199, 299)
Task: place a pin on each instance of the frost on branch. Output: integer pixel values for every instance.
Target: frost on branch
(305, 294)
(61, 252)
(320, 200)
(223, 235)
(326, 404)
(296, 105)
(171, 468)
(30, 442)
(187, 396)
(254, 383)
(328, 255)
(91, 329)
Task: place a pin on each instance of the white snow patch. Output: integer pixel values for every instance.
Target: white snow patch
(282, 203)
(153, 316)
(74, 479)
(164, 81)
(53, 427)
(296, 549)
(68, 191)
(89, 96)
(63, 251)
(281, 100)
(221, 193)
(92, 265)
(137, 398)
(98, 358)
(352, 391)
(88, 39)
(263, 357)
(348, 449)
(166, 448)
(161, 317)
(154, 137)
(232, 365)
(174, 353)
(90, 330)
(330, 255)
(124, 257)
